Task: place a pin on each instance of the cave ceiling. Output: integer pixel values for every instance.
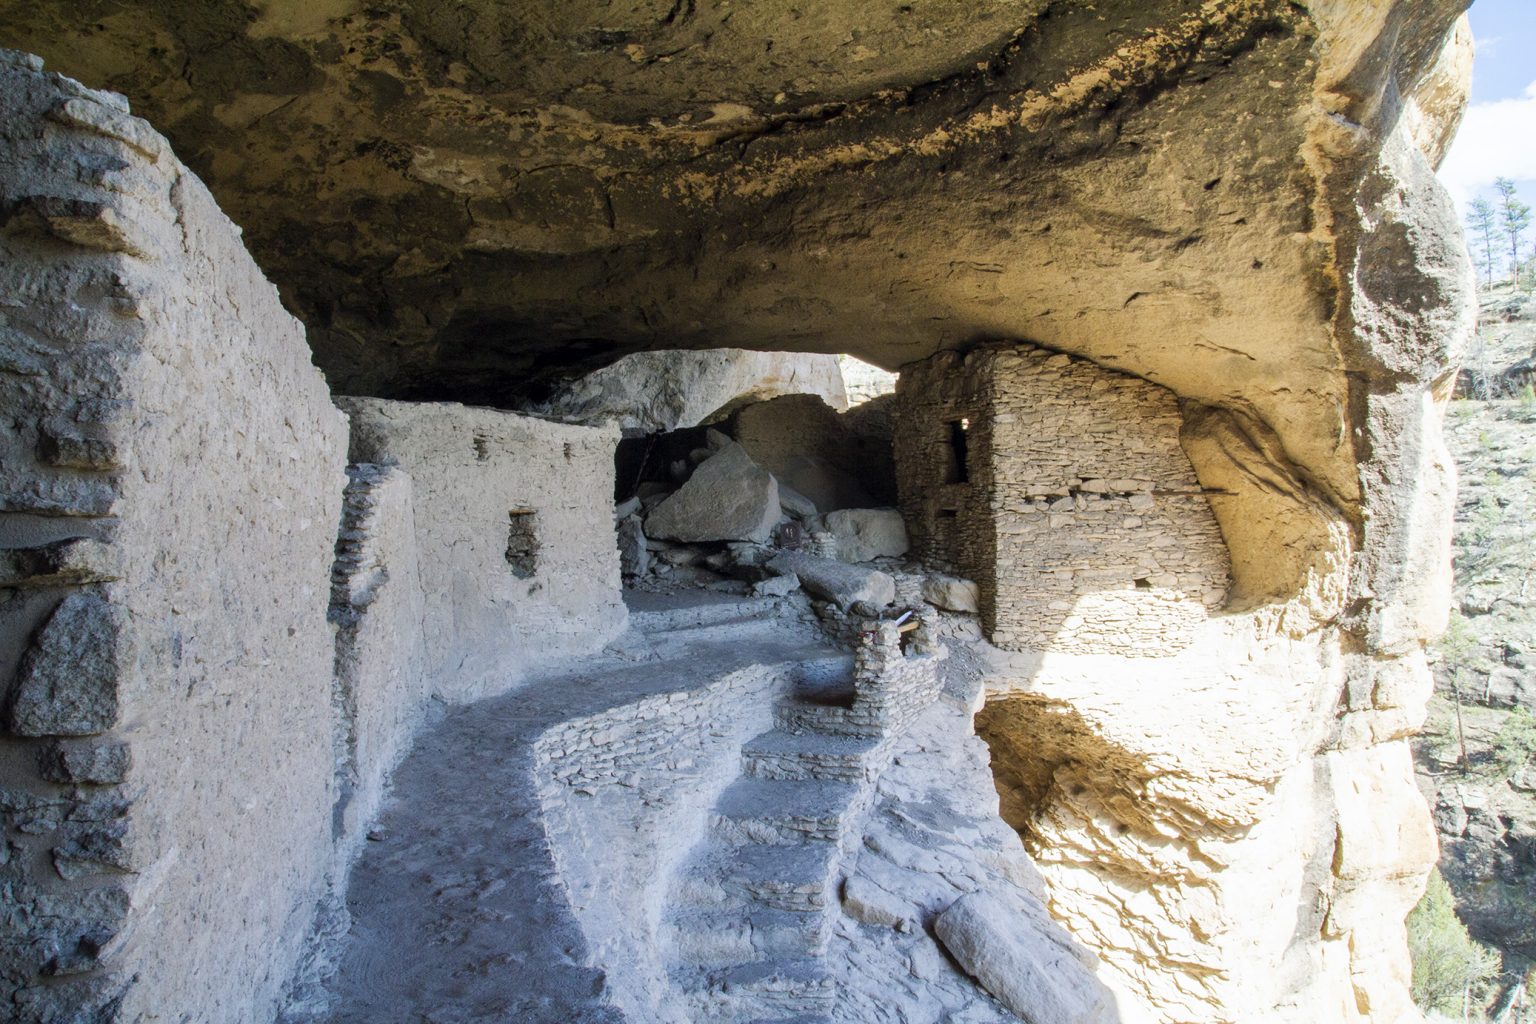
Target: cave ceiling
(473, 199)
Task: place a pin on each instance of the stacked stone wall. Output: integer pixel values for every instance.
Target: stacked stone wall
(165, 768)
(1081, 518)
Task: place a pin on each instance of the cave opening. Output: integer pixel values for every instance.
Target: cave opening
(795, 457)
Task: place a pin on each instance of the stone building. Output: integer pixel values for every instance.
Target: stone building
(1062, 490)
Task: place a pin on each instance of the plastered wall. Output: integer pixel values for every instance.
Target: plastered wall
(1061, 489)
(479, 476)
(171, 483)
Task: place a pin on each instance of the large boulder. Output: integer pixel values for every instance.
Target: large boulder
(729, 497)
(951, 593)
(835, 460)
(864, 534)
(839, 582)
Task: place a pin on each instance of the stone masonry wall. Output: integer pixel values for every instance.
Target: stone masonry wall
(381, 681)
(620, 786)
(1079, 514)
(171, 483)
(518, 559)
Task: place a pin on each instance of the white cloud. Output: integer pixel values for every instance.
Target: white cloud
(1496, 140)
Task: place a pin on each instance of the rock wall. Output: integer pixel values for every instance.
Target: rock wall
(518, 561)
(838, 460)
(1062, 490)
(173, 474)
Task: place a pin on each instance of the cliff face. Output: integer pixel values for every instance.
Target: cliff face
(1233, 200)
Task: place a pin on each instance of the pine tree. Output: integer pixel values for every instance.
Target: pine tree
(1514, 219)
(1483, 223)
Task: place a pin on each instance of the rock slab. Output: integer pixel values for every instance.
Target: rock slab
(1032, 973)
(836, 581)
(864, 534)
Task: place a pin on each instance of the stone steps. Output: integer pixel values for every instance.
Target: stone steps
(781, 754)
(751, 910)
(783, 811)
(828, 719)
(734, 933)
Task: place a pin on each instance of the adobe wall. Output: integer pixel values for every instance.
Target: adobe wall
(478, 475)
(166, 758)
(1079, 516)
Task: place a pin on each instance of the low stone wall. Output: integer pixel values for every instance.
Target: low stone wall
(1062, 490)
(171, 483)
(620, 786)
(514, 535)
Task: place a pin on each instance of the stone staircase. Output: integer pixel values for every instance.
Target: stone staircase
(750, 912)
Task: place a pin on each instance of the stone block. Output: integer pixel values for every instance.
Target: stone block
(1036, 975)
(92, 764)
(69, 678)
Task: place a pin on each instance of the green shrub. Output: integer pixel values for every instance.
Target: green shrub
(1448, 964)
(1515, 745)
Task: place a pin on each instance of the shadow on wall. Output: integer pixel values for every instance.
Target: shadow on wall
(1096, 514)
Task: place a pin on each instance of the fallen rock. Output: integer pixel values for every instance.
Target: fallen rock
(776, 586)
(835, 581)
(952, 593)
(729, 497)
(864, 534)
(867, 902)
(1034, 974)
(634, 558)
(795, 503)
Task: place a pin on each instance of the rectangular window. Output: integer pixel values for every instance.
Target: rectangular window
(522, 542)
(957, 468)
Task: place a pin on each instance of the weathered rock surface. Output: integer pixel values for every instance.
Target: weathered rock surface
(1032, 973)
(837, 581)
(659, 391)
(836, 460)
(728, 497)
(69, 679)
(952, 593)
(864, 534)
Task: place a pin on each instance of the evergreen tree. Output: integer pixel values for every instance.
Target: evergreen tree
(1514, 219)
(1483, 223)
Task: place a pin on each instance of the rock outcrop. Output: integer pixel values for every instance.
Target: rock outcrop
(659, 391)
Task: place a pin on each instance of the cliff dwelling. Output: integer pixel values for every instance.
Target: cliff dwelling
(698, 511)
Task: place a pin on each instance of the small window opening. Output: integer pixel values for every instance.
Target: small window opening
(482, 448)
(522, 542)
(958, 470)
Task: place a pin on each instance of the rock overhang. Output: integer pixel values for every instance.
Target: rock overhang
(471, 201)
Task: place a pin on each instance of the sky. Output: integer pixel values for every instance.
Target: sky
(1498, 135)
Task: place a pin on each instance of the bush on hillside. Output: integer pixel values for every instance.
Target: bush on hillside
(1449, 966)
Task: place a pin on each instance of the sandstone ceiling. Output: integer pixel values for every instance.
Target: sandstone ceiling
(469, 199)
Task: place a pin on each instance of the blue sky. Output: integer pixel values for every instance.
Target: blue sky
(1498, 136)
